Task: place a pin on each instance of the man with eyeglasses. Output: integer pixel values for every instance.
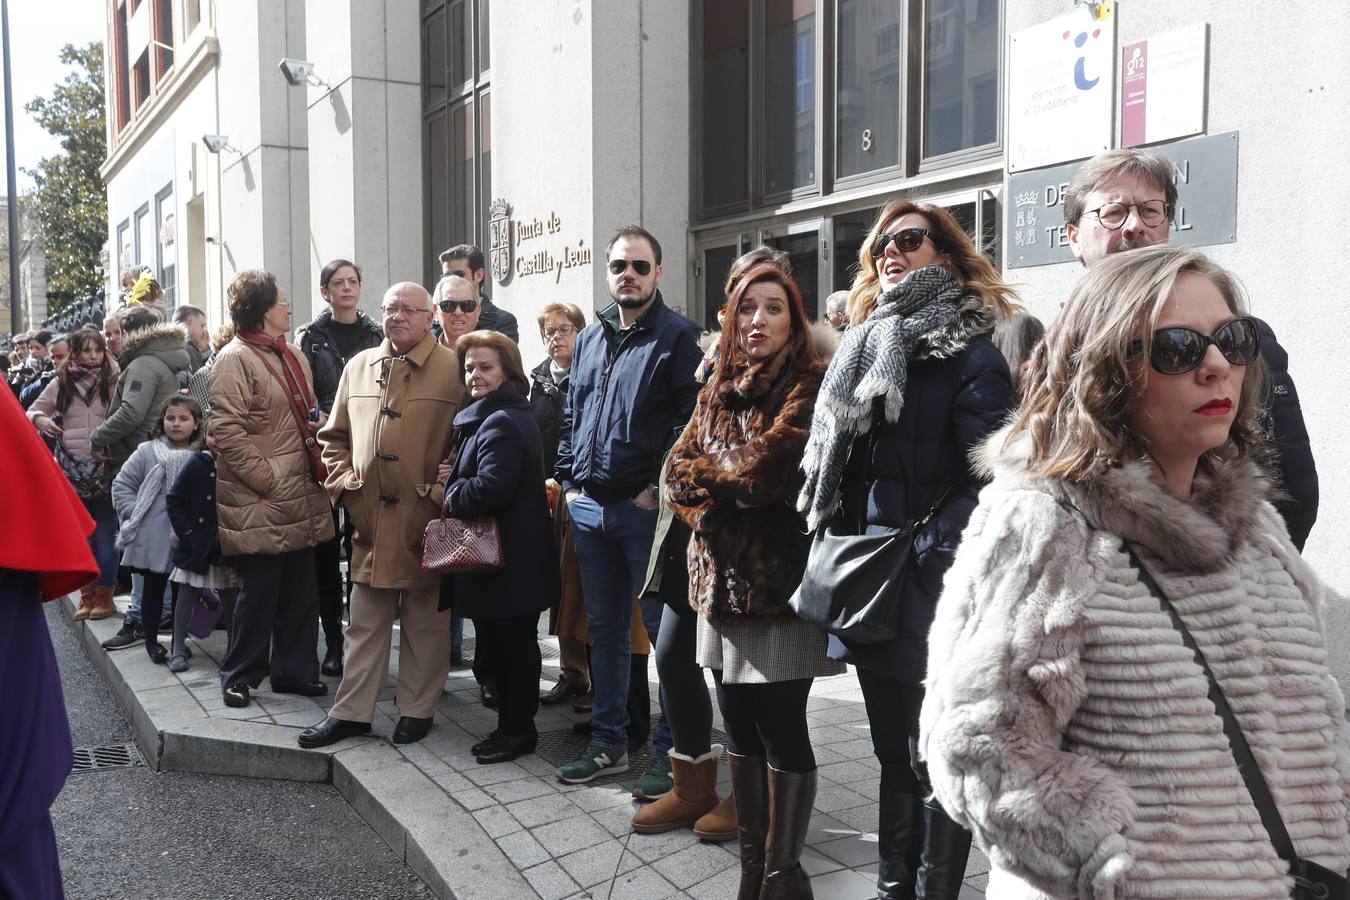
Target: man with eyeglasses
(1122, 199)
(632, 391)
(466, 261)
(384, 445)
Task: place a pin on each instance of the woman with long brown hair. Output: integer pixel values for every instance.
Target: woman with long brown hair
(72, 405)
(915, 386)
(731, 479)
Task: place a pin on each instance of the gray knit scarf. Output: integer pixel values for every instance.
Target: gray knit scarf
(872, 362)
(169, 462)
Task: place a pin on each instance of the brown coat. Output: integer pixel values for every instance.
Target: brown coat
(268, 501)
(391, 426)
(744, 444)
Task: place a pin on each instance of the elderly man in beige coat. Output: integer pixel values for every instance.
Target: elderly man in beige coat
(390, 430)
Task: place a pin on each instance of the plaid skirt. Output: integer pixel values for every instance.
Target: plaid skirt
(761, 651)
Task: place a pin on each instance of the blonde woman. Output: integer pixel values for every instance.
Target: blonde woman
(915, 385)
(1067, 722)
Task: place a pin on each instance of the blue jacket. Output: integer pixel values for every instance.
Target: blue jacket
(626, 406)
(499, 473)
(191, 503)
(958, 391)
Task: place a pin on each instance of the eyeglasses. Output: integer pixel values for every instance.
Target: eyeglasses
(464, 306)
(906, 240)
(640, 266)
(390, 311)
(1113, 215)
(1178, 350)
(558, 331)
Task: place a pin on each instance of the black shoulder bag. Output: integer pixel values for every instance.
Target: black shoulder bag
(1311, 881)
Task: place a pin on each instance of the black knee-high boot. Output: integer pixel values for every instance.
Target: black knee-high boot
(946, 846)
(899, 840)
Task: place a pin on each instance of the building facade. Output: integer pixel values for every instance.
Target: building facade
(533, 129)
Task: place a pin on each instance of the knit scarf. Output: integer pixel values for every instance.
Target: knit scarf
(78, 382)
(872, 364)
(169, 462)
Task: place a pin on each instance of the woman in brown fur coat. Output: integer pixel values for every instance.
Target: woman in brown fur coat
(731, 478)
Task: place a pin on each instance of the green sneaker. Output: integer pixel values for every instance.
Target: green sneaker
(596, 761)
(656, 781)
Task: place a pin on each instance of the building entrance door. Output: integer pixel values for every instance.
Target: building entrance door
(802, 244)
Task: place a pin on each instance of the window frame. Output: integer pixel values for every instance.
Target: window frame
(966, 155)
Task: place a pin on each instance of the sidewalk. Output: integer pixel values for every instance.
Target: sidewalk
(502, 831)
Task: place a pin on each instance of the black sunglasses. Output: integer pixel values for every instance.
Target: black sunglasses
(466, 306)
(906, 241)
(1178, 350)
(640, 266)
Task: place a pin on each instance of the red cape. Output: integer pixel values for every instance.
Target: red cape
(44, 528)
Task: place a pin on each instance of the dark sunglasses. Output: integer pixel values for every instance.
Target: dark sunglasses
(466, 306)
(1178, 350)
(640, 266)
(906, 241)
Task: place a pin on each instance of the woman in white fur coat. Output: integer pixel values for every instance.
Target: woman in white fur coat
(1066, 723)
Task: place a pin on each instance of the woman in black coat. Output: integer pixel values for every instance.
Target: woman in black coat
(915, 385)
(498, 474)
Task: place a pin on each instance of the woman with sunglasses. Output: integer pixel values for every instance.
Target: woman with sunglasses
(1128, 541)
(914, 387)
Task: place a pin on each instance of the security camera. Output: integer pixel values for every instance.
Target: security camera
(216, 142)
(297, 71)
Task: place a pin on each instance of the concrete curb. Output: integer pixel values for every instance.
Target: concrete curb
(435, 836)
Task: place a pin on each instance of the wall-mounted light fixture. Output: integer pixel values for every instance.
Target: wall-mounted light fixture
(218, 142)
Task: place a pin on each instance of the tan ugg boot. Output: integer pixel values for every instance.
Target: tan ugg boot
(103, 602)
(693, 796)
(86, 603)
(720, 824)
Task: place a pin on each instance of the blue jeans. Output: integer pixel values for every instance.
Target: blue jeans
(102, 543)
(613, 543)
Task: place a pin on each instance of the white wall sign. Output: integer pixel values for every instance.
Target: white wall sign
(1061, 88)
(1162, 90)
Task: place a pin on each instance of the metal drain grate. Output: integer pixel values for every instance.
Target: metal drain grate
(558, 747)
(112, 756)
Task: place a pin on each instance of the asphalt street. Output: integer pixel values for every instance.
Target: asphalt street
(134, 832)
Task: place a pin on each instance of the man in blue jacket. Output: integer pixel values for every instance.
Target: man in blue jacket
(632, 391)
(1125, 198)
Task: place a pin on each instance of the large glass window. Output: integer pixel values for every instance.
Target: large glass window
(725, 68)
(457, 122)
(134, 82)
(908, 85)
(867, 87)
(789, 95)
(960, 77)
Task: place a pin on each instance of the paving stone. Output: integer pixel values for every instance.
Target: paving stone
(816, 864)
(523, 850)
(483, 776)
(695, 864)
(831, 797)
(722, 885)
(851, 852)
(617, 820)
(603, 796)
(651, 847)
(542, 810)
(641, 884)
(496, 821)
(597, 864)
(860, 818)
(826, 828)
(523, 789)
(844, 885)
(561, 838)
(550, 881)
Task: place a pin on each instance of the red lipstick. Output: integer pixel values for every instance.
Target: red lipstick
(1221, 407)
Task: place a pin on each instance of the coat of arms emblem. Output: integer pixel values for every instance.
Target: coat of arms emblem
(499, 240)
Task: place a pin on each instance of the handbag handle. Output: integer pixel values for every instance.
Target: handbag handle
(1237, 742)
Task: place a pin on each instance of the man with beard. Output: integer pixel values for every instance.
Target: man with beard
(632, 391)
(1123, 199)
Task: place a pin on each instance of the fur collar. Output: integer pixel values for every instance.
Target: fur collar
(1192, 536)
(971, 321)
(137, 342)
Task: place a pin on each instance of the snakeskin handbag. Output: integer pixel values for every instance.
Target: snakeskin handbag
(452, 546)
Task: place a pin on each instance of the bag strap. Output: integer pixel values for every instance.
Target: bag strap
(306, 438)
(1237, 742)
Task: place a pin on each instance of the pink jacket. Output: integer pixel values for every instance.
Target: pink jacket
(79, 419)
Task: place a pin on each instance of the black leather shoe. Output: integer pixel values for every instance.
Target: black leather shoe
(158, 655)
(486, 743)
(487, 694)
(303, 688)
(584, 703)
(330, 731)
(332, 663)
(410, 730)
(561, 691)
(506, 749)
(236, 695)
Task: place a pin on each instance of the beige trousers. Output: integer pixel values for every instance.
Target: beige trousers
(423, 652)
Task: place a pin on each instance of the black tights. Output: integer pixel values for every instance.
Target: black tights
(152, 606)
(684, 693)
(768, 720)
(893, 713)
